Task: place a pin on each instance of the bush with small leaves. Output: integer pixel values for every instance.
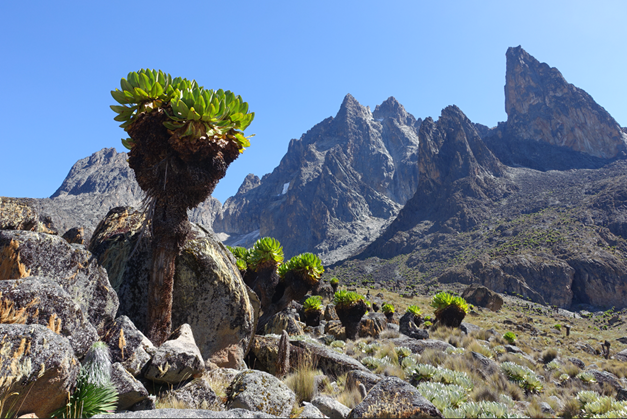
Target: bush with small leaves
(510, 337)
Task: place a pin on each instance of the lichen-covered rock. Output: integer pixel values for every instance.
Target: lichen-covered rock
(603, 377)
(24, 214)
(128, 345)
(329, 361)
(177, 360)
(75, 235)
(209, 293)
(130, 390)
(25, 253)
(418, 346)
(281, 321)
(330, 313)
(356, 377)
(46, 303)
(330, 407)
(394, 398)
(483, 297)
(310, 412)
(39, 365)
(260, 392)
(335, 329)
(264, 353)
(197, 394)
(372, 324)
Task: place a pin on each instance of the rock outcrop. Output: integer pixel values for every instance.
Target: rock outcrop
(336, 186)
(209, 293)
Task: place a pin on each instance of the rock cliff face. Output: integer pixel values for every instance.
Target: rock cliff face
(98, 183)
(544, 110)
(555, 237)
(336, 186)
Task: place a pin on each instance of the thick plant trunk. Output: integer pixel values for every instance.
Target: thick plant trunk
(172, 228)
(351, 316)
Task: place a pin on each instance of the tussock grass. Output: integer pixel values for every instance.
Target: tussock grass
(548, 355)
(302, 379)
(433, 357)
(349, 397)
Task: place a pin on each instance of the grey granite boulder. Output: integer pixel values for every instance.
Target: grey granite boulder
(24, 214)
(368, 379)
(209, 293)
(259, 391)
(187, 413)
(71, 266)
(603, 377)
(197, 394)
(46, 303)
(128, 345)
(130, 391)
(408, 325)
(330, 362)
(177, 360)
(330, 407)
(39, 365)
(418, 346)
(394, 398)
(310, 412)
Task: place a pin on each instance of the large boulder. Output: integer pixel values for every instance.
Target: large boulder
(408, 325)
(483, 297)
(37, 364)
(130, 390)
(394, 398)
(177, 360)
(372, 324)
(209, 293)
(71, 266)
(260, 392)
(46, 303)
(24, 214)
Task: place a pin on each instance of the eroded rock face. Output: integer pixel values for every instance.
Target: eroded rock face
(47, 304)
(73, 268)
(483, 297)
(542, 106)
(394, 398)
(209, 293)
(24, 214)
(38, 362)
(350, 173)
(260, 392)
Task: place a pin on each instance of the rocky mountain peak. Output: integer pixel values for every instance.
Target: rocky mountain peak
(542, 106)
(391, 108)
(250, 182)
(352, 109)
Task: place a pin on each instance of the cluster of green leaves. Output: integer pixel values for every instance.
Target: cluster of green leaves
(306, 264)
(346, 299)
(95, 393)
(241, 257)
(387, 308)
(510, 337)
(334, 281)
(595, 405)
(313, 303)
(442, 300)
(526, 378)
(265, 252)
(443, 396)
(415, 310)
(195, 113)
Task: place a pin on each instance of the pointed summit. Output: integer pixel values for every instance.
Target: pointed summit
(350, 108)
(391, 108)
(542, 106)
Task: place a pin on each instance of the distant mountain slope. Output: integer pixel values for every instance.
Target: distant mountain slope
(556, 237)
(335, 188)
(98, 183)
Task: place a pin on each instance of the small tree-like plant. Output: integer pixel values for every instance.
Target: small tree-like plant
(388, 310)
(449, 310)
(182, 140)
(313, 310)
(350, 308)
(334, 283)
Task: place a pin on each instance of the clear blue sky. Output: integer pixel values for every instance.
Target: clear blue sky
(292, 61)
